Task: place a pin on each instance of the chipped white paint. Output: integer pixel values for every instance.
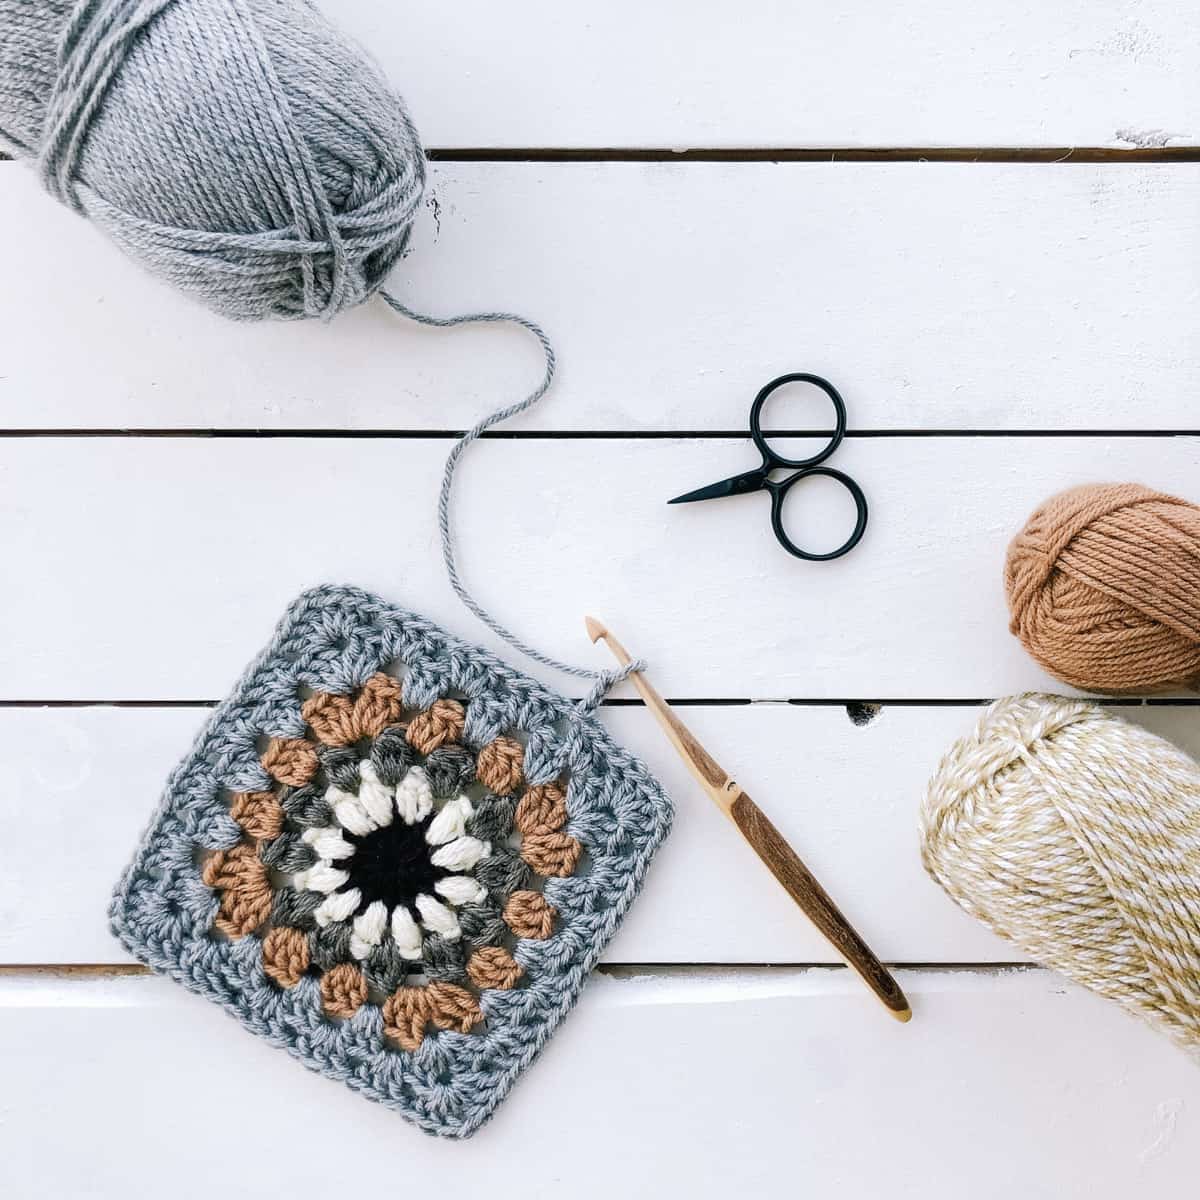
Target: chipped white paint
(1147, 139)
(1166, 1121)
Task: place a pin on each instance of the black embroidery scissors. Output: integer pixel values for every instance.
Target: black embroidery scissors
(803, 468)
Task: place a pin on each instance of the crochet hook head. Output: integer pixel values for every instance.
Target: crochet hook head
(766, 841)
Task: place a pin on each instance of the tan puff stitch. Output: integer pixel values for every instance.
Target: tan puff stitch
(291, 760)
(453, 1007)
(493, 967)
(529, 914)
(343, 990)
(554, 855)
(285, 955)
(406, 1012)
(245, 888)
(444, 721)
(377, 706)
(543, 809)
(500, 766)
(331, 718)
(258, 813)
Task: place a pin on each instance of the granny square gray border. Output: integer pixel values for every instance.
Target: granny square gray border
(333, 639)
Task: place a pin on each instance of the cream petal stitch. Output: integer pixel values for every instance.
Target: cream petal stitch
(374, 795)
(460, 889)
(414, 796)
(350, 811)
(337, 907)
(406, 933)
(321, 877)
(368, 929)
(461, 854)
(451, 822)
(368, 774)
(437, 918)
(328, 842)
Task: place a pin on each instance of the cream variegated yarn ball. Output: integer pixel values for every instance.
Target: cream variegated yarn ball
(1076, 836)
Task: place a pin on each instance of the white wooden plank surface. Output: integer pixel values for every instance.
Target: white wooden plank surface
(935, 296)
(1117, 73)
(938, 297)
(705, 1085)
(674, 75)
(153, 569)
(82, 784)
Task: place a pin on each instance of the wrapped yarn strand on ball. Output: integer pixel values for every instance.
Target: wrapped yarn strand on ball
(1103, 588)
(244, 151)
(1076, 836)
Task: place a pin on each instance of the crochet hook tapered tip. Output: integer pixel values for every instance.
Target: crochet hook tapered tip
(595, 630)
(765, 840)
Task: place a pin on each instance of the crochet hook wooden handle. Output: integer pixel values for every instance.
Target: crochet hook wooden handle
(803, 887)
(766, 841)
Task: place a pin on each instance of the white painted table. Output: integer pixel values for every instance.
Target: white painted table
(1052, 307)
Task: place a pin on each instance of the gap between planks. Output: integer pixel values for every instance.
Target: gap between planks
(570, 435)
(856, 702)
(611, 970)
(1051, 155)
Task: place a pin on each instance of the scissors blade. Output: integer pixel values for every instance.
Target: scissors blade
(737, 485)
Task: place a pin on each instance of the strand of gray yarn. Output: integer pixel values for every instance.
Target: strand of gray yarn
(603, 681)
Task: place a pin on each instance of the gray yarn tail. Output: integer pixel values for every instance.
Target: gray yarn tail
(603, 681)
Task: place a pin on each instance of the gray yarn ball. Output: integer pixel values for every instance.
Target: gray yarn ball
(244, 151)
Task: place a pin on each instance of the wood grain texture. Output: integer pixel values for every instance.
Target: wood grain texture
(153, 569)
(1116, 73)
(934, 296)
(766, 841)
(815, 902)
(709, 1083)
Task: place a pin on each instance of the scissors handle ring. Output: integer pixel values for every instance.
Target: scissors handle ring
(779, 492)
(770, 456)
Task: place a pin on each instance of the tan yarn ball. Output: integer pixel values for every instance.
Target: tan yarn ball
(1076, 836)
(1104, 588)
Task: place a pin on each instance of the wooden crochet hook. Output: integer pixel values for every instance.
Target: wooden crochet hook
(766, 841)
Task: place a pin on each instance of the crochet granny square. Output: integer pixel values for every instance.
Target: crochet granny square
(393, 855)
